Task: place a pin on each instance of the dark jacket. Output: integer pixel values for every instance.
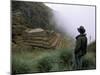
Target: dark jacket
(81, 45)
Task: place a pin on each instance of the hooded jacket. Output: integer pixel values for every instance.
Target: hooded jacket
(81, 45)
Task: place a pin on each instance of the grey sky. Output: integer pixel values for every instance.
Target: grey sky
(70, 17)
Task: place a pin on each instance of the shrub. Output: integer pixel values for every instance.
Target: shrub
(65, 56)
(89, 61)
(20, 66)
(44, 64)
(47, 62)
(59, 60)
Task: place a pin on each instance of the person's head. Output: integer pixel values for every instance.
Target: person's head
(81, 30)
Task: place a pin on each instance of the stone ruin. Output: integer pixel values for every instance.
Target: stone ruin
(40, 38)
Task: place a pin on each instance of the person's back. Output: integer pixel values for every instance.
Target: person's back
(81, 47)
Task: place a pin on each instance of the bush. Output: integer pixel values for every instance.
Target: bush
(89, 61)
(44, 64)
(20, 66)
(59, 60)
(65, 56)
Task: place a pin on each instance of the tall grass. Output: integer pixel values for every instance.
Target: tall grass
(58, 60)
(89, 61)
(54, 61)
(20, 66)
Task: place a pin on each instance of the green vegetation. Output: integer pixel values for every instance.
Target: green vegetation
(31, 14)
(29, 59)
(42, 60)
(89, 61)
(43, 63)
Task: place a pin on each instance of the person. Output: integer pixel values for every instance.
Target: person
(80, 48)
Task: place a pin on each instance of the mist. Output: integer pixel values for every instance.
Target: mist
(69, 17)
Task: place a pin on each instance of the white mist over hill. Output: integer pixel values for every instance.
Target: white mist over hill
(70, 17)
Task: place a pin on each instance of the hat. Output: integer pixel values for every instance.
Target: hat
(81, 29)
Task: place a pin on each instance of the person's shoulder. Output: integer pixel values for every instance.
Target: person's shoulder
(77, 36)
(80, 36)
(83, 36)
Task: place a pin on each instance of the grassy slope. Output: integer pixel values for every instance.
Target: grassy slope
(26, 59)
(41, 60)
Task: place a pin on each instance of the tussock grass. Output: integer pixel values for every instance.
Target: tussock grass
(89, 61)
(40, 60)
(50, 61)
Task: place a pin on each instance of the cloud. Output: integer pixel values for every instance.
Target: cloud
(70, 17)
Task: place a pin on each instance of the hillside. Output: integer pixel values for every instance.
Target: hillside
(31, 14)
(39, 47)
(33, 35)
(27, 16)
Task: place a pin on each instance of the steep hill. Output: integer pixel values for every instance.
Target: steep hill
(31, 14)
(29, 17)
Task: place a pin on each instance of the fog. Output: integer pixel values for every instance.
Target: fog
(70, 17)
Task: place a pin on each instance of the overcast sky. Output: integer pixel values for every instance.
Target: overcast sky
(70, 17)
